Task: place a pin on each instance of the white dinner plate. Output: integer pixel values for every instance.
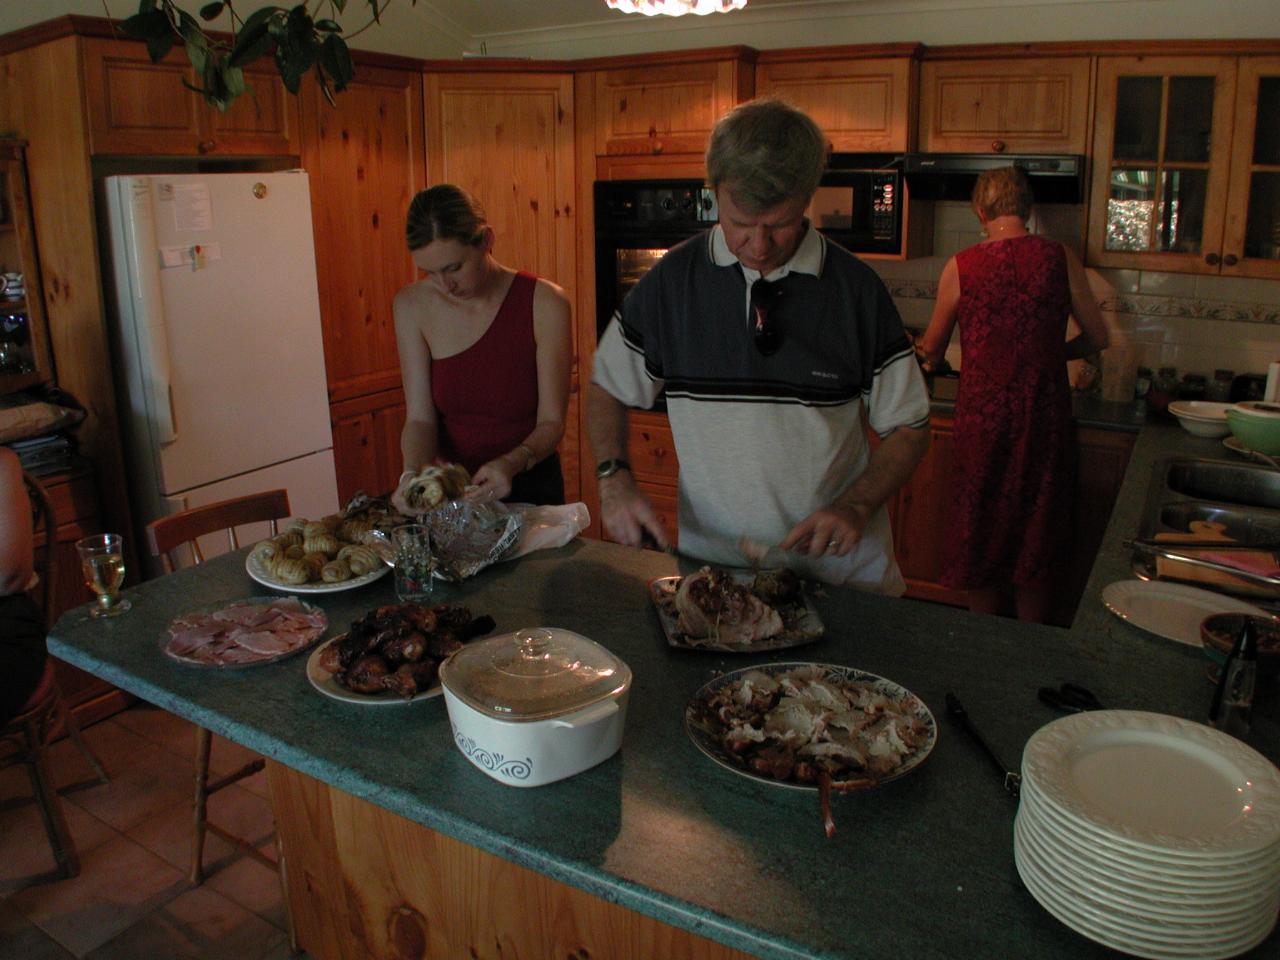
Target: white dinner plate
(253, 566)
(1170, 610)
(1205, 410)
(1157, 782)
(323, 681)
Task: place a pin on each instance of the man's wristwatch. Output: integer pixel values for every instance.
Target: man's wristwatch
(607, 468)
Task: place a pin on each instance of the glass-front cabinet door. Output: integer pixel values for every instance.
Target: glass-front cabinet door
(1251, 245)
(1162, 152)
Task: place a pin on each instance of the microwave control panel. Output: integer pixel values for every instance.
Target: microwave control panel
(884, 201)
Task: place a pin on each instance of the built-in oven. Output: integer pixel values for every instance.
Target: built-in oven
(637, 221)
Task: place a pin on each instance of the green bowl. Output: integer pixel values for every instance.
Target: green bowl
(1255, 431)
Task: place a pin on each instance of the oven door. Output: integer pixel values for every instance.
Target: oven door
(620, 263)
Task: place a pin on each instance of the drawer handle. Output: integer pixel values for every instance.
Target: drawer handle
(997, 146)
(1230, 260)
(207, 146)
(1212, 259)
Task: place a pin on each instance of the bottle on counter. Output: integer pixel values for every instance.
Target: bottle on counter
(1219, 388)
(1232, 705)
(1163, 389)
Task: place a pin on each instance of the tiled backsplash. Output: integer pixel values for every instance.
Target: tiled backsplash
(1195, 323)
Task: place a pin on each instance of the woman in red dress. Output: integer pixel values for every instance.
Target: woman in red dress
(1013, 461)
(484, 355)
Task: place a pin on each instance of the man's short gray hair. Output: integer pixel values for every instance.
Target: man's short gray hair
(766, 152)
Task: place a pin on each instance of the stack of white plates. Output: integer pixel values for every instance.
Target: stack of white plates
(1202, 417)
(1150, 834)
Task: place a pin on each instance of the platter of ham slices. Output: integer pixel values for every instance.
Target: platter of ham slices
(245, 632)
(735, 611)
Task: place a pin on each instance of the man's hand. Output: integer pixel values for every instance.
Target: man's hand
(627, 513)
(832, 531)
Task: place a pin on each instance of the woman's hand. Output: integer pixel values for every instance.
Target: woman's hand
(493, 480)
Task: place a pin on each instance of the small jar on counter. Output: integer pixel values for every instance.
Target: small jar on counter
(1219, 388)
(1193, 387)
(1163, 389)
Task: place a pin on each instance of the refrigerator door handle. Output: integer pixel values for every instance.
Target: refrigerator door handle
(153, 339)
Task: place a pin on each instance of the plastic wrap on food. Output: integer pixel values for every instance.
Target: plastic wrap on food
(466, 536)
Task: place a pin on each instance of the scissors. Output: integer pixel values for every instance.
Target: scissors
(1070, 698)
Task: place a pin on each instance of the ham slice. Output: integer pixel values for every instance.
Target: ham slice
(245, 632)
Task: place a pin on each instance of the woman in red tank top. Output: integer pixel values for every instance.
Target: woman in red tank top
(1012, 465)
(484, 355)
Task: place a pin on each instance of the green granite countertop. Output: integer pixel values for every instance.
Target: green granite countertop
(921, 867)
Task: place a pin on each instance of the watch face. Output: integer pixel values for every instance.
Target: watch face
(608, 468)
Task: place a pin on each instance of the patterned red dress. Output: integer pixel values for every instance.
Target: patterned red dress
(1013, 468)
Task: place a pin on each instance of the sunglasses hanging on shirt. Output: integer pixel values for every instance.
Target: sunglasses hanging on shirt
(765, 329)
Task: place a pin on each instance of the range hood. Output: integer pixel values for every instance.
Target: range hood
(1054, 178)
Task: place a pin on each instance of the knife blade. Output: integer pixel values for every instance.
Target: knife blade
(956, 710)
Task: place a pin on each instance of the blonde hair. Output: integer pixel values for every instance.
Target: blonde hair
(1002, 192)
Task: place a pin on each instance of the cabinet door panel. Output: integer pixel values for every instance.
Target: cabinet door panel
(1252, 234)
(859, 104)
(365, 158)
(366, 444)
(1027, 106)
(508, 139)
(1162, 155)
(264, 120)
(136, 106)
(663, 109)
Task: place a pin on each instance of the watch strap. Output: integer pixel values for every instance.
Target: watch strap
(607, 468)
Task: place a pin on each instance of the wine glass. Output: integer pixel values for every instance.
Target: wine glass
(102, 561)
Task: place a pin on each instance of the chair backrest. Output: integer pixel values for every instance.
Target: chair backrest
(165, 535)
(42, 517)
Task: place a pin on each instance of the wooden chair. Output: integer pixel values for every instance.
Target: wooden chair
(32, 731)
(164, 537)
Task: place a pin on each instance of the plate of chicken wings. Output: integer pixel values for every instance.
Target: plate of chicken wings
(735, 611)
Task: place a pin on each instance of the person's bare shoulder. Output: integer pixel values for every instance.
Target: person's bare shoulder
(547, 293)
(414, 304)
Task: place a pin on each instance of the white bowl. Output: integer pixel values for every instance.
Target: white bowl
(1201, 418)
(503, 719)
(1258, 409)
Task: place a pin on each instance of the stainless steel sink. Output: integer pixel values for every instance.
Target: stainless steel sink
(1242, 524)
(1238, 483)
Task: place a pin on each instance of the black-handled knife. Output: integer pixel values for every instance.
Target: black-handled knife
(1012, 780)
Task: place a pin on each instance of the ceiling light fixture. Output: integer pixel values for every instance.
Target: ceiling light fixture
(675, 8)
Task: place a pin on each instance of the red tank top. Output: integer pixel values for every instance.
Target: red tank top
(487, 396)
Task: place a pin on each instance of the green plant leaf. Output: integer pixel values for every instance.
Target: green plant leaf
(158, 47)
(145, 26)
(335, 58)
(211, 11)
(252, 43)
(328, 26)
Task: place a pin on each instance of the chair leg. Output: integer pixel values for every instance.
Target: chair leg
(55, 824)
(72, 726)
(204, 740)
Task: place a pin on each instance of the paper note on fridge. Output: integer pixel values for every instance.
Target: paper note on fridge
(189, 254)
(192, 209)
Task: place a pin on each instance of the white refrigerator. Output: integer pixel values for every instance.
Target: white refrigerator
(217, 328)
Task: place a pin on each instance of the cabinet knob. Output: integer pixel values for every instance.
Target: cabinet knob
(1230, 260)
(207, 146)
(1212, 259)
(997, 146)
(659, 452)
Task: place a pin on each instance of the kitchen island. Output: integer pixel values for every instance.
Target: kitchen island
(921, 867)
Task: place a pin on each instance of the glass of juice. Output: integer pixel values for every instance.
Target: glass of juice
(102, 561)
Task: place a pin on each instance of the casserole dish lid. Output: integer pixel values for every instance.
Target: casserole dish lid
(534, 674)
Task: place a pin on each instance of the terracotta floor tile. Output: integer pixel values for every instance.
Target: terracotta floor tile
(120, 882)
(200, 924)
(152, 783)
(173, 733)
(20, 939)
(168, 833)
(254, 887)
(25, 853)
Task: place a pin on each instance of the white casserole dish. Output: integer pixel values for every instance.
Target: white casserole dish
(537, 705)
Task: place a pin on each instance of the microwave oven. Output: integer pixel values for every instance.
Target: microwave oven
(859, 202)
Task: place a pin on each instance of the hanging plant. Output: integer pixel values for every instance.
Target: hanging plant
(299, 40)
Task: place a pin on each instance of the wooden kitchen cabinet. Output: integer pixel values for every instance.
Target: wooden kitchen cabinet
(1005, 105)
(24, 333)
(136, 107)
(366, 160)
(366, 443)
(667, 103)
(863, 101)
(1252, 233)
(1162, 163)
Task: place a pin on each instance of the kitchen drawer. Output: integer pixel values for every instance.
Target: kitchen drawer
(651, 449)
(663, 499)
(73, 496)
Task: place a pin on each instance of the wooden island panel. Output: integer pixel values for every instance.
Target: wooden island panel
(363, 882)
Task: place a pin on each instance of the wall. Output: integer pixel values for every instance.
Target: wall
(1196, 323)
